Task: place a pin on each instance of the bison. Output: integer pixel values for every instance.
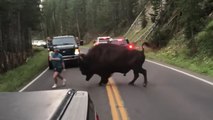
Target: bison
(106, 59)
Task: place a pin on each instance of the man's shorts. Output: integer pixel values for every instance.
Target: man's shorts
(59, 70)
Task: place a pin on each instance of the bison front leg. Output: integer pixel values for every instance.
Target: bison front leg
(89, 76)
(104, 79)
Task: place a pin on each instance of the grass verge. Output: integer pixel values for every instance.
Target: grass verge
(176, 54)
(14, 79)
(196, 65)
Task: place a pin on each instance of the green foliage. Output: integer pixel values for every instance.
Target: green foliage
(182, 36)
(191, 16)
(16, 78)
(196, 64)
(156, 5)
(31, 13)
(161, 37)
(78, 17)
(176, 54)
(144, 21)
(17, 20)
(205, 41)
(209, 27)
(28, 9)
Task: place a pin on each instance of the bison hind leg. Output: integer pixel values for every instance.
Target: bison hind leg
(143, 71)
(131, 83)
(136, 75)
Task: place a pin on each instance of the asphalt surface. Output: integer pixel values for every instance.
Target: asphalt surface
(170, 95)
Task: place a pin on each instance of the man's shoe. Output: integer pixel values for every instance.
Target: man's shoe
(64, 82)
(54, 86)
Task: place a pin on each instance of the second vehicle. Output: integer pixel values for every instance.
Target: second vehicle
(68, 48)
(122, 42)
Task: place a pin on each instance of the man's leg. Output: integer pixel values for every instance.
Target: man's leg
(62, 78)
(59, 75)
(55, 74)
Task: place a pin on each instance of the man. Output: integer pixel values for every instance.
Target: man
(58, 66)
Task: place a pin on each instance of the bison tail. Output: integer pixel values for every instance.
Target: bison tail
(146, 44)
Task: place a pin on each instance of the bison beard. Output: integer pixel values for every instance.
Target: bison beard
(105, 59)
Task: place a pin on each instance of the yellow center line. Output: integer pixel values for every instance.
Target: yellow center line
(114, 111)
(119, 101)
(116, 102)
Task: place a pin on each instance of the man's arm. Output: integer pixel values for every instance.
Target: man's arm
(57, 59)
(51, 56)
(62, 62)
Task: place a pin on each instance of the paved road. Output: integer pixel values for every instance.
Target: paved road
(170, 95)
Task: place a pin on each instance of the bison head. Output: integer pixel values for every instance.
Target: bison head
(84, 66)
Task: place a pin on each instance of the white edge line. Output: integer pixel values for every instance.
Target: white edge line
(25, 87)
(200, 79)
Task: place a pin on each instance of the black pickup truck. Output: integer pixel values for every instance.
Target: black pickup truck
(67, 46)
(65, 104)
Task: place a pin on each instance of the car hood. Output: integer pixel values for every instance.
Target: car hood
(37, 105)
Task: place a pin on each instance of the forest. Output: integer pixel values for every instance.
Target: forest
(23, 20)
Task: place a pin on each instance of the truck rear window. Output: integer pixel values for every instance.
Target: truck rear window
(118, 42)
